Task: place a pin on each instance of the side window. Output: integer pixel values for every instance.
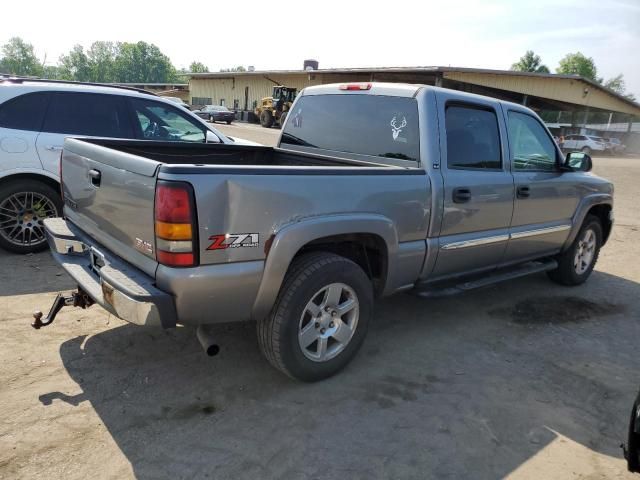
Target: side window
(90, 114)
(473, 140)
(24, 112)
(531, 146)
(158, 121)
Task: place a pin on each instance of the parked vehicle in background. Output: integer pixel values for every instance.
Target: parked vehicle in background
(179, 101)
(216, 113)
(615, 145)
(373, 189)
(35, 118)
(584, 143)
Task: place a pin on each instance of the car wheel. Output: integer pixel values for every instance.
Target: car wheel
(266, 119)
(586, 150)
(211, 119)
(283, 117)
(229, 122)
(632, 449)
(320, 317)
(23, 207)
(577, 262)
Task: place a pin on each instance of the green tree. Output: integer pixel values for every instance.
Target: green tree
(239, 68)
(75, 65)
(198, 67)
(618, 85)
(102, 58)
(578, 64)
(18, 58)
(142, 62)
(530, 62)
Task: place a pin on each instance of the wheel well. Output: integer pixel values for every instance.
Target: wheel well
(602, 213)
(367, 250)
(32, 177)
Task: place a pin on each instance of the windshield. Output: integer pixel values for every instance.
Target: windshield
(380, 126)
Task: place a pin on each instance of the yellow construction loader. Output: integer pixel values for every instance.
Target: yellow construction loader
(274, 109)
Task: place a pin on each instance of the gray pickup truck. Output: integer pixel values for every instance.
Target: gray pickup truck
(373, 189)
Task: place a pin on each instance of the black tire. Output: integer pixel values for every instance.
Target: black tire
(266, 119)
(228, 122)
(211, 119)
(633, 442)
(34, 242)
(283, 117)
(586, 150)
(566, 273)
(278, 332)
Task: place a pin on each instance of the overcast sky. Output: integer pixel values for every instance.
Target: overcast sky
(347, 33)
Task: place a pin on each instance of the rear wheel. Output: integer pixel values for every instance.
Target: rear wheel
(586, 150)
(211, 119)
(266, 119)
(283, 117)
(320, 317)
(23, 207)
(228, 122)
(577, 262)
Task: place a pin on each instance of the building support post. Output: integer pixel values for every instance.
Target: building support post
(525, 99)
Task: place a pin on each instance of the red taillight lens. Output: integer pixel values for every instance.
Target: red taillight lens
(356, 86)
(173, 203)
(175, 224)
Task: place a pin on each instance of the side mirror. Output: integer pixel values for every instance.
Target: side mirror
(212, 137)
(578, 162)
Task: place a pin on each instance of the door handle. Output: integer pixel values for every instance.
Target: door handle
(53, 148)
(461, 195)
(523, 191)
(95, 177)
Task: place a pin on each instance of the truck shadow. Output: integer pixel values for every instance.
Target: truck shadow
(460, 387)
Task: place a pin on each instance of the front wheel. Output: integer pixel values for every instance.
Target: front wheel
(23, 207)
(577, 262)
(320, 317)
(266, 119)
(586, 150)
(211, 119)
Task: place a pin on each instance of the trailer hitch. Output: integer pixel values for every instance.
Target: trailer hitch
(80, 298)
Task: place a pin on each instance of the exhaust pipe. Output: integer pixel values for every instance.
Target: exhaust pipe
(207, 341)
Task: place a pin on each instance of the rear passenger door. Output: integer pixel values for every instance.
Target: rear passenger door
(478, 185)
(78, 114)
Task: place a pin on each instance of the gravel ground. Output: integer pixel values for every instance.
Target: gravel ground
(526, 380)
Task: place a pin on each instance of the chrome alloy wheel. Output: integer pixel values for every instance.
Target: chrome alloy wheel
(328, 322)
(21, 216)
(585, 252)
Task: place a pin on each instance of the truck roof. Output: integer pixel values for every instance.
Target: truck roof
(373, 88)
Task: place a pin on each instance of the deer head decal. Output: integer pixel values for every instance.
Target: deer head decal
(395, 129)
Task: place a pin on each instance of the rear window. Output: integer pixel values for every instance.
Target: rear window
(24, 112)
(87, 114)
(375, 125)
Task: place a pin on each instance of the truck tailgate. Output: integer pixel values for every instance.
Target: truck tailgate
(110, 195)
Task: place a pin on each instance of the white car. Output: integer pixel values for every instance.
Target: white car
(35, 118)
(584, 143)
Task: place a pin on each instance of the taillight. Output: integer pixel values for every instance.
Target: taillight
(356, 86)
(175, 225)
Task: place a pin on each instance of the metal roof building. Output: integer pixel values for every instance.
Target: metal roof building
(577, 100)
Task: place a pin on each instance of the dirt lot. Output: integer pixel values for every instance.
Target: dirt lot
(526, 380)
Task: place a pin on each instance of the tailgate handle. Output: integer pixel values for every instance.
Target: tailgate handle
(95, 177)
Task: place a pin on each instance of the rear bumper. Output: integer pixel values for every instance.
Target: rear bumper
(117, 286)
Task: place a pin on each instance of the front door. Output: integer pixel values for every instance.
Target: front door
(546, 198)
(478, 186)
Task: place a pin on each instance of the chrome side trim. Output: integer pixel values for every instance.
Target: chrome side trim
(540, 231)
(502, 238)
(475, 242)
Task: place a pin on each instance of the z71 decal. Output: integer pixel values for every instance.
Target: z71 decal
(233, 240)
